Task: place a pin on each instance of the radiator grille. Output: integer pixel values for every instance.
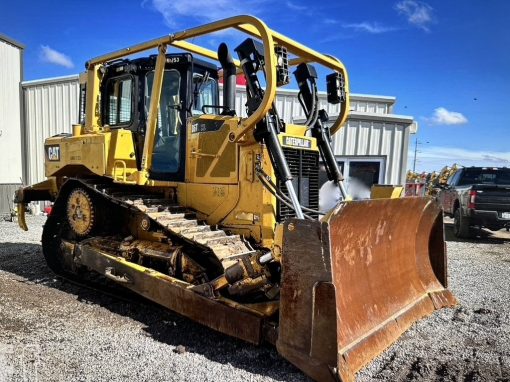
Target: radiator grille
(304, 167)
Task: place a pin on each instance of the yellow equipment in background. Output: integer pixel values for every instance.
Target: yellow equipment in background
(164, 190)
(383, 191)
(444, 174)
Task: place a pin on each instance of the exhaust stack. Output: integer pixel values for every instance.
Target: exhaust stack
(229, 77)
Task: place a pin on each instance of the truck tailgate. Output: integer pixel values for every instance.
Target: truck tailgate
(492, 197)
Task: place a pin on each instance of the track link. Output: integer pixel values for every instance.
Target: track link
(174, 221)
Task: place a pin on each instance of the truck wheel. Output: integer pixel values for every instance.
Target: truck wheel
(460, 225)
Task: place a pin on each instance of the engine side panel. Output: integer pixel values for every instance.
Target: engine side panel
(71, 155)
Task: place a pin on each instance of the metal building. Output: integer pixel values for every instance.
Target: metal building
(371, 147)
(11, 140)
(51, 107)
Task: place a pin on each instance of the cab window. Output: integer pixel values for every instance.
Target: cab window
(205, 93)
(119, 101)
(167, 145)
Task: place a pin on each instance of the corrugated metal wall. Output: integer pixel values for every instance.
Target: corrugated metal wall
(51, 107)
(10, 113)
(6, 197)
(382, 139)
(387, 140)
(290, 110)
(287, 104)
(376, 105)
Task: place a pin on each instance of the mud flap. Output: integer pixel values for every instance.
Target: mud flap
(354, 282)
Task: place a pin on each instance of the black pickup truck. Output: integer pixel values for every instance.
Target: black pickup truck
(477, 196)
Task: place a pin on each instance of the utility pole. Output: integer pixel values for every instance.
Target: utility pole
(416, 143)
(415, 151)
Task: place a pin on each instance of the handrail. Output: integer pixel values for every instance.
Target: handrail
(124, 170)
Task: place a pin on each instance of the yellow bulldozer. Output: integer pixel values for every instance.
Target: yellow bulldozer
(163, 189)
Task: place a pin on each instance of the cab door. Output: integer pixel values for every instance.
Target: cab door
(168, 155)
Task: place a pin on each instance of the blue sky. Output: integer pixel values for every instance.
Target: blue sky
(447, 62)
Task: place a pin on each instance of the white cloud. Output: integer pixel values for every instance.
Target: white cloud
(442, 116)
(433, 158)
(295, 7)
(174, 11)
(418, 13)
(54, 57)
(368, 27)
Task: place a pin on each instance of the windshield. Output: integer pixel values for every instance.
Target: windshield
(205, 94)
(485, 176)
(165, 157)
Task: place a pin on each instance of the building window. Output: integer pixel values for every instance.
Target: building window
(323, 176)
(360, 174)
(367, 172)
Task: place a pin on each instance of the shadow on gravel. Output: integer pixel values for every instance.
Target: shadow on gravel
(26, 260)
(480, 236)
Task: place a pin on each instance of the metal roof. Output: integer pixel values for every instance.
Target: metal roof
(405, 119)
(373, 98)
(51, 80)
(11, 41)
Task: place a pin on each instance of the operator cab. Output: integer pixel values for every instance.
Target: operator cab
(190, 89)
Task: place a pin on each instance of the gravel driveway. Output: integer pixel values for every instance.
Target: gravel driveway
(51, 330)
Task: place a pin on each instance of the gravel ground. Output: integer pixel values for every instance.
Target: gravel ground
(51, 330)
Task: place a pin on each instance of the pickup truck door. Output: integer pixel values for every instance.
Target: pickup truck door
(450, 193)
(447, 201)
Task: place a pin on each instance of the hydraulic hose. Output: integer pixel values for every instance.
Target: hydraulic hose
(283, 198)
(268, 183)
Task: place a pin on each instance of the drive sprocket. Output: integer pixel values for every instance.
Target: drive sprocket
(80, 212)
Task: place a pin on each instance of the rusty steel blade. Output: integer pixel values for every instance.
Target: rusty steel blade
(355, 282)
(389, 270)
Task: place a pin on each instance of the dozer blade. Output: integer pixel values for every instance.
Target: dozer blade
(354, 282)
